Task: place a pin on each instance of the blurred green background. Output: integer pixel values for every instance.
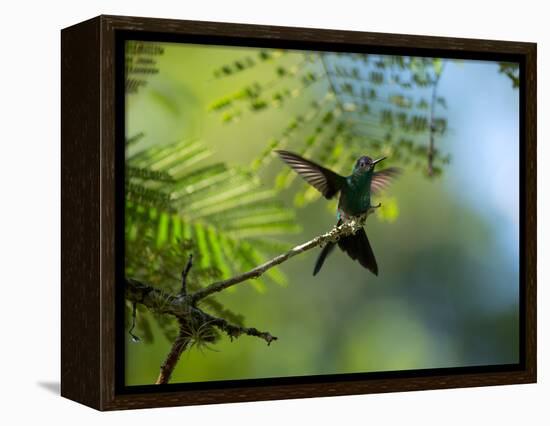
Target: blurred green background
(447, 248)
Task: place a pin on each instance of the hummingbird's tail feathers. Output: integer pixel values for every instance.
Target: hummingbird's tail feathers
(327, 249)
(357, 247)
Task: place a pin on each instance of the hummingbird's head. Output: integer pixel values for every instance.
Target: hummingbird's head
(365, 164)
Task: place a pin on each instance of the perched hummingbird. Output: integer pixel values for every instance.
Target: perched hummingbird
(355, 199)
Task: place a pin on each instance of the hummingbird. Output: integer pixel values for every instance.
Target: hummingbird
(355, 200)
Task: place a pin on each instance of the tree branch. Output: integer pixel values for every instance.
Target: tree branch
(155, 299)
(184, 307)
(167, 367)
(234, 331)
(347, 228)
(431, 142)
(164, 303)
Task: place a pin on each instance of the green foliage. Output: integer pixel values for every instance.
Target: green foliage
(179, 203)
(247, 62)
(389, 210)
(140, 64)
(510, 70)
(363, 104)
(176, 194)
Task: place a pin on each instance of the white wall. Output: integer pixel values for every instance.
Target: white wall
(29, 176)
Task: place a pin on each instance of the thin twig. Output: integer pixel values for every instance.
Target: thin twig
(134, 337)
(173, 357)
(234, 331)
(184, 274)
(431, 141)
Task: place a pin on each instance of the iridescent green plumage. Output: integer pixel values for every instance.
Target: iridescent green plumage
(355, 199)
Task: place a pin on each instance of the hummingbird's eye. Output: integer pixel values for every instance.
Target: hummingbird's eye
(363, 163)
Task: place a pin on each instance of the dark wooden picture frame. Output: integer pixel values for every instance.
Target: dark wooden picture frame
(91, 193)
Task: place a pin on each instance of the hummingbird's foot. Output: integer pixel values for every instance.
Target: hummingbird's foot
(376, 206)
(357, 222)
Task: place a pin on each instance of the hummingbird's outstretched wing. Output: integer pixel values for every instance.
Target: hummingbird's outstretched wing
(382, 179)
(324, 180)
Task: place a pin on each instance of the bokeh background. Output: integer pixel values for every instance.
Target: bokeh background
(447, 248)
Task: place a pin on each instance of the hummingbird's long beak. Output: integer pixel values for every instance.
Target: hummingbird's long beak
(377, 161)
